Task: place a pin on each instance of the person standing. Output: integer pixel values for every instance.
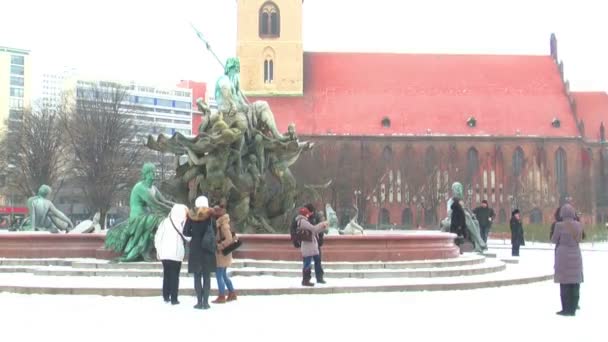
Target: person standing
(315, 219)
(224, 239)
(201, 260)
(485, 215)
(517, 233)
(309, 243)
(169, 243)
(567, 236)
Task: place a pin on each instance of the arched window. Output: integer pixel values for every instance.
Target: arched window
(502, 216)
(387, 154)
(561, 173)
(385, 217)
(430, 217)
(430, 159)
(472, 164)
(536, 216)
(268, 71)
(270, 21)
(518, 162)
(406, 218)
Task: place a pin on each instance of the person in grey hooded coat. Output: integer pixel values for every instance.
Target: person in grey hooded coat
(567, 236)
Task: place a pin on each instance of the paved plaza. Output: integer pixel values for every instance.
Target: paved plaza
(525, 312)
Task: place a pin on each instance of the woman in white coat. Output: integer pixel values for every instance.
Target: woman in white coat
(169, 243)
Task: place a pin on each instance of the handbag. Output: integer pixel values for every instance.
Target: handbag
(234, 245)
(304, 234)
(208, 241)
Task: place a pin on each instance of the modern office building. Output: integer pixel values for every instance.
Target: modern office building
(51, 88)
(158, 109)
(15, 85)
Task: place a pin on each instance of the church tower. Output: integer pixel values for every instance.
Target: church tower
(269, 46)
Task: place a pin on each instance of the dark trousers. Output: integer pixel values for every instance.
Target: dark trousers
(319, 267)
(515, 250)
(485, 231)
(171, 269)
(569, 294)
(202, 290)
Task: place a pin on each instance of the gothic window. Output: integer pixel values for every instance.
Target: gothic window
(385, 217)
(406, 218)
(502, 216)
(472, 164)
(536, 216)
(560, 172)
(270, 21)
(518, 162)
(268, 71)
(430, 217)
(387, 154)
(430, 160)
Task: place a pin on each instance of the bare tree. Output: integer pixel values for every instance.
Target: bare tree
(33, 151)
(102, 134)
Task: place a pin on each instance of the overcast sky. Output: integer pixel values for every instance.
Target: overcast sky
(152, 40)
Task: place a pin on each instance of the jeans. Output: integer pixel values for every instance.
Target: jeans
(308, 261)
(202, 290)
(223, 281)
(485, 231)
(171, 271)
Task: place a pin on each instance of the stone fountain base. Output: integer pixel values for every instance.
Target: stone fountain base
(414, 245)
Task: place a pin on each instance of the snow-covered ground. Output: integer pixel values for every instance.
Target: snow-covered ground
(516, 313)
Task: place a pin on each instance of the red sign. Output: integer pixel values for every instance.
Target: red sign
(13, 210)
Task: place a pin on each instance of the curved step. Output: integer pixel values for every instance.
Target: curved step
(138, 287)
(487, 267)
(467, 259)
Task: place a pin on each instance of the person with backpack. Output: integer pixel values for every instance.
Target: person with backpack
(309, 244)
(224, 239)
(315, 219)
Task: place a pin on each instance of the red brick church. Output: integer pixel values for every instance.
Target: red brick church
(393, 131)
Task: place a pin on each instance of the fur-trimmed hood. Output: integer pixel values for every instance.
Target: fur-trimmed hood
(200, 214)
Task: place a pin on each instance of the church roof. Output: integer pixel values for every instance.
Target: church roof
(427, 94)
(592, 109)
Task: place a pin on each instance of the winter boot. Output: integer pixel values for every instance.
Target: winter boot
(199, 301)
(320, 279)
(221, 299)
(306, 276)
(231, 296)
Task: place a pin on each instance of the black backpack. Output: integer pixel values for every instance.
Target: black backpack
(293, 231)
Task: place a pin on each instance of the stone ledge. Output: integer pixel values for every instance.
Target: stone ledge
(148, 292)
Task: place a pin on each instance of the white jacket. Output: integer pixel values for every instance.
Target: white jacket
(168, 243)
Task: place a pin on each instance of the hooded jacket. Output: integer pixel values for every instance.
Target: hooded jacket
(167, 241)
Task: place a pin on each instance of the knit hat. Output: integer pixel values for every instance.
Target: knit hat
(201, 202)
(516, 211)
(305, 212)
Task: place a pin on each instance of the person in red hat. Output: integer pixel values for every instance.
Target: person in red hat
(309, 242)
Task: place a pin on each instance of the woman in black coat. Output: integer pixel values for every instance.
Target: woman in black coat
(517, 233)
(201, 259)
(458, 223)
